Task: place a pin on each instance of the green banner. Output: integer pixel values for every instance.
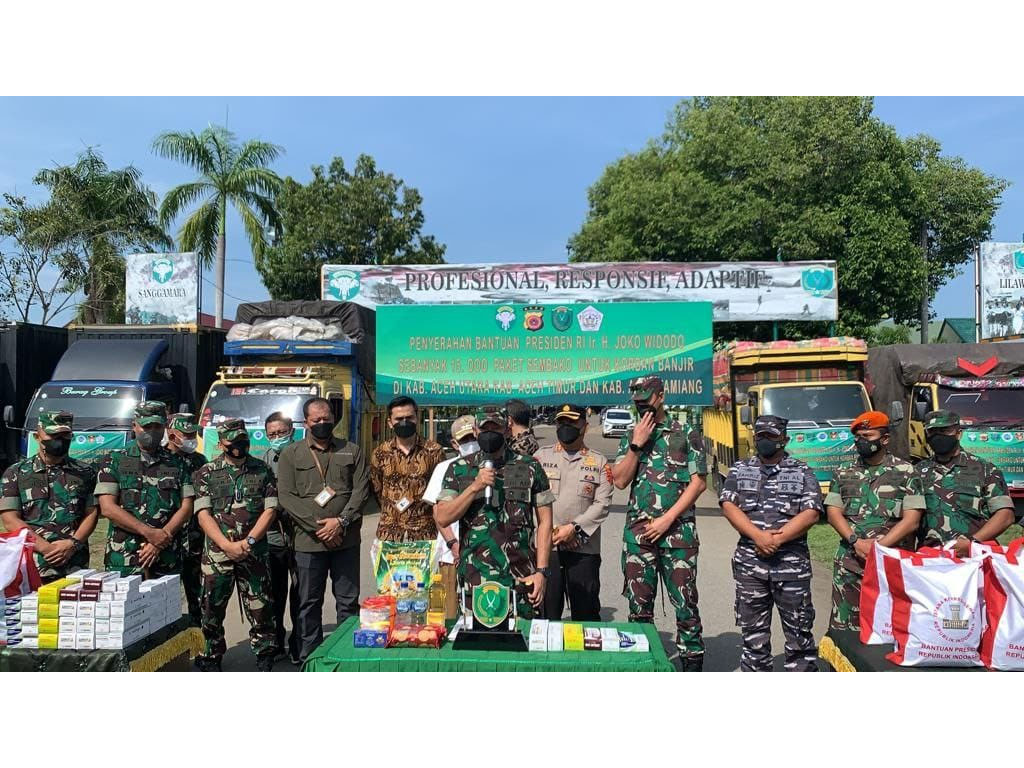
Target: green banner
(89, 447)
(258, 442)
(1004, 449)
(824, 450)
(547, 354)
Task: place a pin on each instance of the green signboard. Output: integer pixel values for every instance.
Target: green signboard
(89, 447)
(258, 442)
(546, 354)
(1005, 449)
(824, 450)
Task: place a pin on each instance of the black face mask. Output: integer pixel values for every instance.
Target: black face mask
(491, 442)
(767, 448)
(322, 430)
(238, 449)
(149, 441)
(642, 409)
(405, 428)
(943, 445)
(567, 434)
(57, 446)
(868, 448)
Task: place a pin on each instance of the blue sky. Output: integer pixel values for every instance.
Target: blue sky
(503, 179)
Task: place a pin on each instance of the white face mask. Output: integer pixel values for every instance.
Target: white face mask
(468, 449)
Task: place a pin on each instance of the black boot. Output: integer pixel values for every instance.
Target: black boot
(693, 663)
(205, 664)
(265, 663)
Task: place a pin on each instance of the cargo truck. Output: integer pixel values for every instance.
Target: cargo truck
(817, 384)
(264, 376)
(107, 369)
(983, 383)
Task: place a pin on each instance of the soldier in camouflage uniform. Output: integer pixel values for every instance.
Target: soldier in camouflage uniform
(181, 441)
(146, 493)
(966, 497)
(662, 462)
(51, 494)
(521, 437)
(236, 506)
(495, 538)
(772, 500)
(878, 497)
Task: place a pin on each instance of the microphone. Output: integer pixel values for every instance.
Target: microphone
(488, 464)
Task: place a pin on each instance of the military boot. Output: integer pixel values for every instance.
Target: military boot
(693, 663)
(265, 663)
(205, 664)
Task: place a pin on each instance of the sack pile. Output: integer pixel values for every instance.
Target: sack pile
(292, 328)
(943, 611)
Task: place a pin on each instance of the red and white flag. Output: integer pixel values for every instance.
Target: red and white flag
(18, 572)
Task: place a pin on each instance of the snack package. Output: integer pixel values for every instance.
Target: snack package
(416, 637)
(377, 612)
(398, 561)
(370, 638)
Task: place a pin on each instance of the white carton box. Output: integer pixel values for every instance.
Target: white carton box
(102, 611)
(85, 642)
(109, 587)
(129, 584)
(30, 630)
(107, 597)
(29, 617)
(555, 636)
(67, 624)
(29, 642)
(66, 640)
(30, 601)
(87, 610)
(538, 635)
(67, 610)
(609, 639)
(86, 625)
(102, 626)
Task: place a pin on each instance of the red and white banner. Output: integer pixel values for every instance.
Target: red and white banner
(18, 572)
(1002, 644)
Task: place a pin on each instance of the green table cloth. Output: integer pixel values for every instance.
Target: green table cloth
(336, 654)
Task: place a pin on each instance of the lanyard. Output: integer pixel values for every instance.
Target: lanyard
(321, 470)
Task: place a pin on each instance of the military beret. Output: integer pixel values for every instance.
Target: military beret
(644, 387)
(571, 412)
(870, 420)
(56, 422)
(941, 419)
(491, 416)
(183, 422)
(770, 425)
(461, 427)
(150, 412)
(231, 429)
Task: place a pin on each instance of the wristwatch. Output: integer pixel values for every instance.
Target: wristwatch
(450, 543)
(78, 543)
(580, 533)
(635, 448)
(251, 541)
(852, 538)
(545, 571)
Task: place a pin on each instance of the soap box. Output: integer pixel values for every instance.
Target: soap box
(538, 635)
(370, 638)
(555, 636)
(609, 639)
(572, 637)
(592, 639)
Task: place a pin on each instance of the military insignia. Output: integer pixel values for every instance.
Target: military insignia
(972, 436)
(344, 284)
(1020, 435)
(505, 317)
(590, 460)
(983, 437)
(561, 318)
(533, 318)
(590, 319)
(799, 438)
(490, 603)
(162, 269)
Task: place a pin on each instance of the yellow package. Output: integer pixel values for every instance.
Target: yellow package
(49, 626)
(48, 611)
(48, 641)
(572, 637)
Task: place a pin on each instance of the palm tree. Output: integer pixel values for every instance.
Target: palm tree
(228, 174)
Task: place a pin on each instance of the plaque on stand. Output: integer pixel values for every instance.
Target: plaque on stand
(491, 624)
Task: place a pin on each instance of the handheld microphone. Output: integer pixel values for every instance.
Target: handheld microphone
(488, 464)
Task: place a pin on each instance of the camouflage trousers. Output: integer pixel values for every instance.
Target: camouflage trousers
(845, 598)
(50, 573)
(252, 577)
(755, 595)
(642, 564)
(191, 540)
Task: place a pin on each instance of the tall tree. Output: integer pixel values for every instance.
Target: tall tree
(364, 216)
(98, 214)
(756, 178)
(228, 173)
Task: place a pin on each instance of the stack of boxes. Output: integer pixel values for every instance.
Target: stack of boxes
(93, 610)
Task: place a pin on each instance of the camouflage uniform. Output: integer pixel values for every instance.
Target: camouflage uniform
(236, 497)
(525, 443)
(150, 488)
(51, 500)
(872, 498)
(495, 539)
(667, 463)
(191, 537)
(960, 495)
(770, 495)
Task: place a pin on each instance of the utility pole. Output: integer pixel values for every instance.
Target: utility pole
(924, 296)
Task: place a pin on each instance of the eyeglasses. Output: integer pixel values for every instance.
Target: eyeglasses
(273, 435)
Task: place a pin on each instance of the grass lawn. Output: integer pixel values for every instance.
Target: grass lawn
(823, 540)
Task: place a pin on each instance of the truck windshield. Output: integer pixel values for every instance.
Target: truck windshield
(822, 405)
(254, 402)
(94, 406)
(984, 406)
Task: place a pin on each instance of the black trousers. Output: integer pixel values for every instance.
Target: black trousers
(578, 577)
(312, 569)
(282, 570)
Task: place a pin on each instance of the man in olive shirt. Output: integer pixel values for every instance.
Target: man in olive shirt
(323, 482)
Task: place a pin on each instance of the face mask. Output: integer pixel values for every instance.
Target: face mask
(468, 449)
(405, 428)
(491, 442)
(57, 446)
(189, 446)
(643, 409)
(868, 448)
(567, 434)
(767, 448)
(280, 442)
(943, 445)
(149, 441)
(322, 430)
(239, 449)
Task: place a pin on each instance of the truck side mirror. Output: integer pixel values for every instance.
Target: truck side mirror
(9, 415)
(745, 415)
(896, 413)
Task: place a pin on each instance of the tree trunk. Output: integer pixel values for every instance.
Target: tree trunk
(218, 297)
(927, 288)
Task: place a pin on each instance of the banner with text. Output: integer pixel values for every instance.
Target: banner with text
(1002, 289)
(546, 354)
(739, 291)
(161, 289)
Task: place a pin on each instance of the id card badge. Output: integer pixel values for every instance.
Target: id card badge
(324, 497)
(402, 504)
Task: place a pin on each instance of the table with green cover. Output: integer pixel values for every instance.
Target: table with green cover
(336, 654)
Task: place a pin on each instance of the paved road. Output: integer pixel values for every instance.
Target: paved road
(715, 583)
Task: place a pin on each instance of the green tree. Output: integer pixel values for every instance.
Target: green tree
(756, 178)
(228, 173)
(97, 214)
(364, 216)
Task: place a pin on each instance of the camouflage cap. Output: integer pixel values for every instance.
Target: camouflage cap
(150, 412)
(645, 387)
(56, 422)
(462, 426)
(570, 412)
(183, 422)
(231, 429)
(491, 415)
(770, 425)
(941, 419)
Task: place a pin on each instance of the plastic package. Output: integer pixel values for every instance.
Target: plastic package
(416, 637)
(377, 612)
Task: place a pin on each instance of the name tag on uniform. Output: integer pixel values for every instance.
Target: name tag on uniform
(791, 482)
(402, 504)
(324, 497)
(553, 474)
(748, 478)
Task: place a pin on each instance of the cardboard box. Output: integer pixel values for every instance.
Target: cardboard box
(67, 624)
(85, 642)
(538, 635)
(87, 610)
(81, 574)
(66, 641)
(102, 626)
(30, 642)
(102, 611)
(48, 611)
(48, 641)
(97, 580)
(67, 609)
(592, 639)
(128, 584)
(69, 593)
(30, 601)
(107, 597)
(610, 639)
(29, 617)
(555, 630)
(49, 626)
(86, 625)
(30, 630)
(88, 596)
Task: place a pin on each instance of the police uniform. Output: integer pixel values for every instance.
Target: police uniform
(582, 485)
(665, 466)
(770, 495)
(150, 487)
(190, 538)
(53, 500)
(236, 497)
(962, 494)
